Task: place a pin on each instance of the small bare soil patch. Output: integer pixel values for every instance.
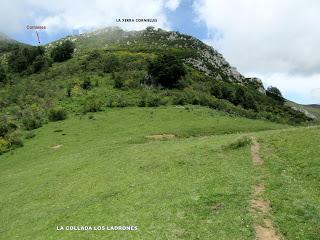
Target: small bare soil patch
(255, 148)
(56, 146)
(161, 136)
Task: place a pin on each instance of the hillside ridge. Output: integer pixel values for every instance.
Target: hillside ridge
(207, 59)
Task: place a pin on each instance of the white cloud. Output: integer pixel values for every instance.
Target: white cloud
(316, 94)
(82, 15)
(172, 4)
(267, 37)
(304, 88)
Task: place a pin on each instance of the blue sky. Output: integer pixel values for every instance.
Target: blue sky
(261, 38)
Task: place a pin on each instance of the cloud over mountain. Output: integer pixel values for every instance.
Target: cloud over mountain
(82, 15)
(268, 38)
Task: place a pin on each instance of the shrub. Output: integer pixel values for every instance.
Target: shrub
(31, 122)
(180, 98)
(227, 92)
(3, 75)
(121, 101)
(11, 141)
(86, 84)
(239, 97)
(216, 90)
(240, 142)
(69, 89)
(92, 104)
(57, 114)
(118, 81)
(4, 145)
(6, 126)
(111, 63)
(15, 140)
(40, 63)
(153, 100)
(29, 135)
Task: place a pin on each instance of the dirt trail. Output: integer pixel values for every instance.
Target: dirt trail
(260, 207)
(255, 148)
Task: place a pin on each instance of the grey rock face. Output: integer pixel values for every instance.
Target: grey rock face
(305, 112)
(256, 83)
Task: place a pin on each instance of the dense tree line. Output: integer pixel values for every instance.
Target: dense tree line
(29, 59)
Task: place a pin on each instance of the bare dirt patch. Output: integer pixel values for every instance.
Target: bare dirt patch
(255, 149)
(258, 204)
(266, 233)
(259, 190)
(161, 136)
(217, 207)
(56, 146)
(261, 209)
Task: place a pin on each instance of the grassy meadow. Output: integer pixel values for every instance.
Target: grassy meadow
(102, 169)
(292, 177)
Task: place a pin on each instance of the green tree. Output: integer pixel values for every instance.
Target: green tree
(166, 70)
(118, 80)
(275, 93)
(227, 92)
(39, 63)
(216, 90)
(63, 52)
(86, 84)
(244, 98)
(111, 64)
(239, 97)
(249, 102)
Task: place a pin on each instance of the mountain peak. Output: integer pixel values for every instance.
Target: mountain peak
(5, 38)
(193, 51)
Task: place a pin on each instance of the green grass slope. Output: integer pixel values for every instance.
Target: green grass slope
(107, 173)
(292, 174)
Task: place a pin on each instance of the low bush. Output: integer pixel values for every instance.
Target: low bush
(240, 142)
(4, 145)
(31, 122)
(118, 81)
(29, 135)
(33, 117)
(57, 114)
(86, 84)
(11, 141)
(153, 100)
(92, 104)
(6, 126)
(15, 140)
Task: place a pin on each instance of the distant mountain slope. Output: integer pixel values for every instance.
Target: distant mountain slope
(314, 106)
(311, 110)
(7, 44)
